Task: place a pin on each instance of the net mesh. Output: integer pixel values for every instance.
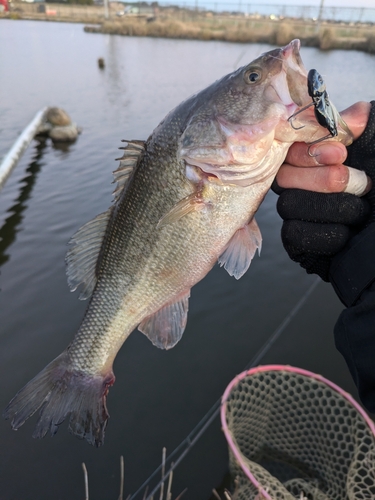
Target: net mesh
(294, 435)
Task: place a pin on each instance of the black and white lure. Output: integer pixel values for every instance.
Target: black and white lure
(325, 112)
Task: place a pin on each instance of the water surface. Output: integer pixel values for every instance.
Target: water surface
(158, 396)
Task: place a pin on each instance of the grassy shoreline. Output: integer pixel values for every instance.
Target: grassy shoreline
(328, 37)
(193, 25)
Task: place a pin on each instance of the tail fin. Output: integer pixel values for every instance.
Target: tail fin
(59, 391)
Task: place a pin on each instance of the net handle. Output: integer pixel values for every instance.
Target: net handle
(284, 368)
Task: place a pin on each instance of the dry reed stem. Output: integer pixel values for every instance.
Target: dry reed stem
(121, 495)
(164, 453)
(86, 478)
(181, 494)
(122, 475)
(145, 494)
(169, 492)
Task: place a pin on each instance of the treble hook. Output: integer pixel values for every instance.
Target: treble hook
(292, 117)
(316, 142)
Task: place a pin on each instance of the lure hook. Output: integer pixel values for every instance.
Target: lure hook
(293, 116)
(291, 119)
(316, 142)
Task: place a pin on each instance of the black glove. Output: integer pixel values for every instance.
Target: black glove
(318, 226)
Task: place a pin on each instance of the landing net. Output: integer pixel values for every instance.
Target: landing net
(294, 435)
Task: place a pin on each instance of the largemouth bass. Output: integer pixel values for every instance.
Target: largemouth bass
(185, 199)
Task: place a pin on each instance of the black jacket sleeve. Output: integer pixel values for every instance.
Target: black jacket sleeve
(352, 275)
(355, 339)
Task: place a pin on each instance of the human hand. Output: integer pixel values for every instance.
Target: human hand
(319, 217)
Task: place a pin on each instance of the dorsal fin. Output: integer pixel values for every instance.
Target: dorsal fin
(83, 254)
(81, 259)
(128, 162)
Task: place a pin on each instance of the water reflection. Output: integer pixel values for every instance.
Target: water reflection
(11, 225)
(62, 147)
(117, 94)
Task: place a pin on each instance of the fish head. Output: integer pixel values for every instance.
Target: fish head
(274, 84)
(241, 124)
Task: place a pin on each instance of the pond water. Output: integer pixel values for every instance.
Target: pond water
(159, 396)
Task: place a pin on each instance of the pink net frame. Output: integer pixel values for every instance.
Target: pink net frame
(294, 434)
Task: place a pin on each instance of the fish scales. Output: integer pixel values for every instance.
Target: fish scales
(137, 213)
(186, 198)
(145, 259)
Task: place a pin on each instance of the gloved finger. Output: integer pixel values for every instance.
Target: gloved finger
(276, 188)
(314, 264)
(340, 208)
(301, 237)
(332, 179)
(324, 153)
(361, 154)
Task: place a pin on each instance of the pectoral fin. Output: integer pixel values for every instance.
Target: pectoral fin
(191, 203)
(166, 326)
(241, 249)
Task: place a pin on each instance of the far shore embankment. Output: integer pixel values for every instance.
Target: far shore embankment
(182, 23)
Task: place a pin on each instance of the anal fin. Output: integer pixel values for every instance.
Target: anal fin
(241, 249)
(166, 326)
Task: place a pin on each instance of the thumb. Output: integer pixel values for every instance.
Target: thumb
(361, 154)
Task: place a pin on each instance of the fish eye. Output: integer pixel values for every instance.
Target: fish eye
(252, 76)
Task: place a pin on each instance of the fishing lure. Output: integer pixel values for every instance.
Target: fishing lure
(324, 111)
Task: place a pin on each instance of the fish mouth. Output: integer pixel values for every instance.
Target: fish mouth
(292, 51)
(296, 73)
(289, 86)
